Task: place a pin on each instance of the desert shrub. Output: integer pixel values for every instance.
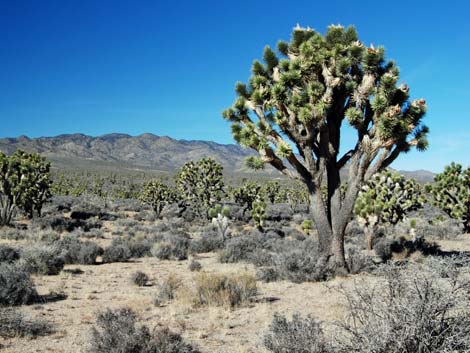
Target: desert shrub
(14, 324)
(419, 308)
(294, 260)
(126, 223)
(383, 249)
(358, 262)
(299, 335)
(139, 278)
(413, 310)
(224, 290)
(167, 289)
(267, 274)
(208, 242)
(13, 234)
(85, 211)
(195, 266)
(118, 251)
(117, 331)
(300, 262)
(173, 248)
(42, 259)
(404, 247)
(140, 247)
(55, 222)
(16, 286)
(61, 224)
(8, 254)
(240, 248)
(75, 251)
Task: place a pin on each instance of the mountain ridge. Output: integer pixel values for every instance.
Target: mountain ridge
(145, 151)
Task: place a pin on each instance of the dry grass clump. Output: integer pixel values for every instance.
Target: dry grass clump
(224, 290)
(167, 289)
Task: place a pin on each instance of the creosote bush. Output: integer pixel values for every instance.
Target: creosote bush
(16, 286)
(117, 332)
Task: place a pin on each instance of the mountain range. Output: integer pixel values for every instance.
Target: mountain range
(146, 152)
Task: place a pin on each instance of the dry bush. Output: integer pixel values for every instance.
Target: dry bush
(8, 254)
(14, 324)
(195, 266)
(139, 278)
(16, 286)
(42, 259)
(173, 248)
(300, 335)
(117, 332)
(224, 290)
(167, 289)
(418, 308)
(118, 251)
(413, 308)
(75, 251)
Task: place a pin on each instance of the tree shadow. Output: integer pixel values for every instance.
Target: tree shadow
(50, 298)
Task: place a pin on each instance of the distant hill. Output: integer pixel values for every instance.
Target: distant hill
(146, 152)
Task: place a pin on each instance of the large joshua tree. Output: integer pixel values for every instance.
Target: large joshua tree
(292, 112)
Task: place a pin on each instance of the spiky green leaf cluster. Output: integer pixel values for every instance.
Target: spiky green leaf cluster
(201, 184)
(219, 209)
(25, 183)
(317, 80)
(451, 193)
(157, 195)
(387, 197)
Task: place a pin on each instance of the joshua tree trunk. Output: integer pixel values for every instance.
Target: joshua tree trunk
(370, 230)
(7, 209)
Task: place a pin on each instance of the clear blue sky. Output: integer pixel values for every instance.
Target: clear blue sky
(169, 67)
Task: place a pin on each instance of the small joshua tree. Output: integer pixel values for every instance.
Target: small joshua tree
(24, 184)
(219, 217)
(294, 106)
(451, 193)
(157, 195)
(272, 190)
(201, 185)
(258, 214)
(386, 198)
(247, 194)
